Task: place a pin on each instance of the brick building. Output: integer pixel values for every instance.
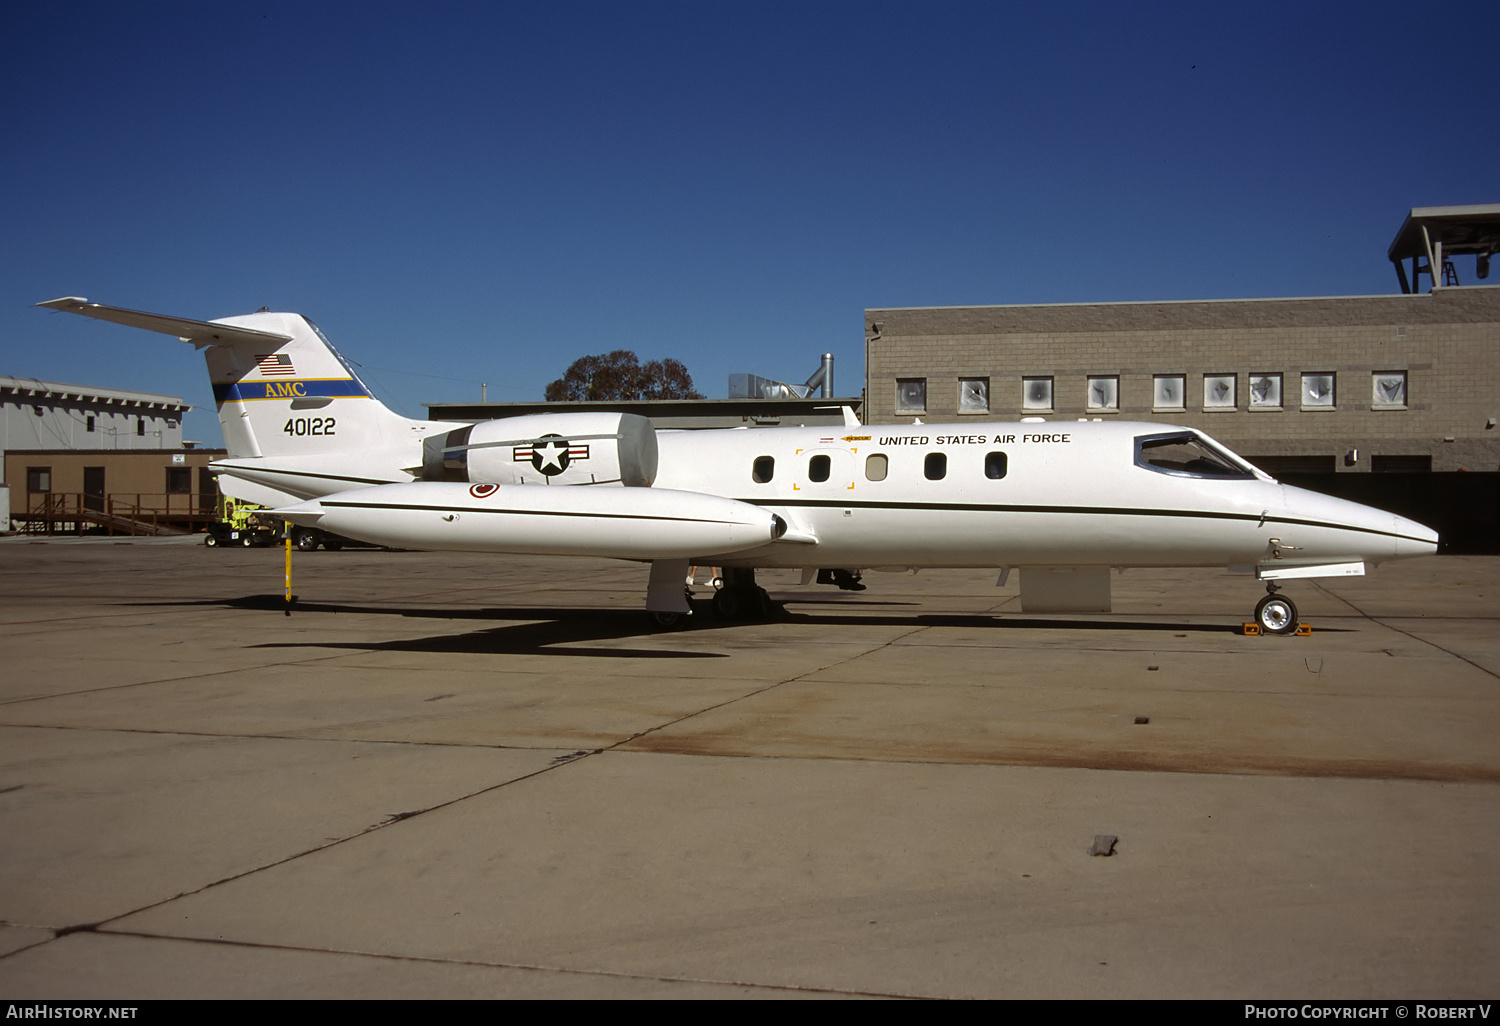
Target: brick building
(1346, 384)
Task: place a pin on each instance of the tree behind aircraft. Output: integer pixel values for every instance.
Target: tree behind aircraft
(619, 375)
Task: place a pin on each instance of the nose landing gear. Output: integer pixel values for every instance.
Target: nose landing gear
(1276, 614)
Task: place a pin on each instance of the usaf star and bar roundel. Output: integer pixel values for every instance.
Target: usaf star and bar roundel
(550, 454)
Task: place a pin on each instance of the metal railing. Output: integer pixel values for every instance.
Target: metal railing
(132, 513)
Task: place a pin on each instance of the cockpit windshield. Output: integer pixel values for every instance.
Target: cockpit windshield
(1188, 454)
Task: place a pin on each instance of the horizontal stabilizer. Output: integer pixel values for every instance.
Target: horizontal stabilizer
(200, 333)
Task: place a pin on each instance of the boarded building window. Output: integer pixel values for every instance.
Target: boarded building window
(911, 395)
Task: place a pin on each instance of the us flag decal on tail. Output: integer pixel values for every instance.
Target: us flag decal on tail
(276, 364)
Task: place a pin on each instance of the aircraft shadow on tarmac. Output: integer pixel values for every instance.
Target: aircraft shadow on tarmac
(546, 628)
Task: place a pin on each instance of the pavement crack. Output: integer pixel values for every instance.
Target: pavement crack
(1415, 637)
(204, 675)
(314, 849)
(761, 691)
(523, 966)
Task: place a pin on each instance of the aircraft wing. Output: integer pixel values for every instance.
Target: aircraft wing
(199, 333)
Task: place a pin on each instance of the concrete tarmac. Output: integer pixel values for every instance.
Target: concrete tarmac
(451, 775)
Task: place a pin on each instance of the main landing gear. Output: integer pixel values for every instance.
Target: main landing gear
(741, 598)
(846, 580)
(1276, 614)
(667, 620)
(737, 598)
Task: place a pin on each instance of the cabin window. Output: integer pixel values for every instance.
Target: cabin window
(817, 468)
(1188, 454)
(876, 466)
(935, 466)
(994, 465)
(763, 470)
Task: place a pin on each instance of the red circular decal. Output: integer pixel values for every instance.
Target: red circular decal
(479, 491)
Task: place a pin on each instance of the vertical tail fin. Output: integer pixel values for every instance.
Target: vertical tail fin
(280, 386)
(297, 396)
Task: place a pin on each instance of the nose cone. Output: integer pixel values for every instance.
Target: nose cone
(1324, 527)
(1412, 538)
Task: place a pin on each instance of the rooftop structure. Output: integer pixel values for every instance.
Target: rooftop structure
(671, 413)
(36, 414)
(1431, 236)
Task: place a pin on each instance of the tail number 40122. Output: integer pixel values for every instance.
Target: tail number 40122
(309, 426)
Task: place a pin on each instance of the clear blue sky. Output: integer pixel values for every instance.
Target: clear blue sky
(460, 193)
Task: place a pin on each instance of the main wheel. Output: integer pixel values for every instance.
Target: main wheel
(667, 621)
(760, 604)
(1276, 614)
(729, 603)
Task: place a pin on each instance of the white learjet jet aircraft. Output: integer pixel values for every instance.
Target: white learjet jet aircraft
(1062, 501)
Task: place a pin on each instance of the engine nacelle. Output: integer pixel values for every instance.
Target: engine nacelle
(546, 448)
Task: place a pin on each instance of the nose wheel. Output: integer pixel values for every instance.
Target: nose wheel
(1276, 614)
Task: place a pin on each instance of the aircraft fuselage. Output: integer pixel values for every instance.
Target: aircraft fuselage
(1014, 494)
